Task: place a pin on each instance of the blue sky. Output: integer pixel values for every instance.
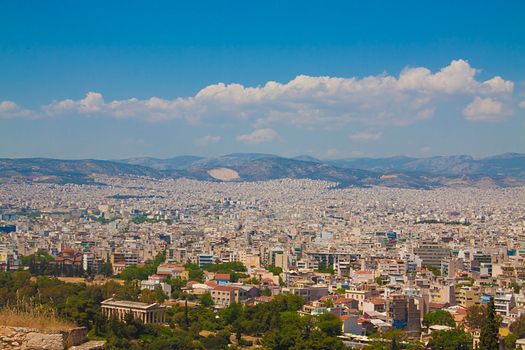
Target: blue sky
(117, 79)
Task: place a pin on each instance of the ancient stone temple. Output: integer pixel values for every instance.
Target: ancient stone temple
(148, 313)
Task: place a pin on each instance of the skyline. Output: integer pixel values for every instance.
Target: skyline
(206, 79)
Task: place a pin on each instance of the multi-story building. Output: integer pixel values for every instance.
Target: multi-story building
(504, 302)
(223, 296)
(468, 296)
(431, 253)
(403, 313)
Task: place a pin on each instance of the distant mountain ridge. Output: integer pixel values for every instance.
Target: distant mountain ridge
(404, 172)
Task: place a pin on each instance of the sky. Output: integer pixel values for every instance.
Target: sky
(330, 79)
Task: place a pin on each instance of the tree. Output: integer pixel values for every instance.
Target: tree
(518, 327)
(475, 316)
(450, 340)
(439, 317)
(206, 299)
(328, 303)
(329, 324)
(488, 339)
(516, 287)
(107, 269)
(379, 281)
(275, 270)
(266, 292)
(510, 341)
(435, 270)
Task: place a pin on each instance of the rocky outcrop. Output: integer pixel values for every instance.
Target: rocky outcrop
(40, 339)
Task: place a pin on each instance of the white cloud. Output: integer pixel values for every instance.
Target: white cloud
(258, 136)
(366, 136)
(7, 106)
(522, 104)
(9, 109)
(207, 140)
(485, 109)
(309, 101)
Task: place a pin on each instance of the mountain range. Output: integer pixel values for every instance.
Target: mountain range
(405, 172)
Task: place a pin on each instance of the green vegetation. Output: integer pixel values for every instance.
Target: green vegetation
(39, 263)
(131, 273)
(388, 340)
(325, 269)
(144, 218)
(516, 287)
(104, 220)
(488, 339)
(439, 317)
(435, 270)
(434, 221)
(275, 270)
(195, 273)
(379, 281)
(451, 340)
(276, 324)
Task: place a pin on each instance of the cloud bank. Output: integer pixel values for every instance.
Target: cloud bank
(259, 136)
(308, 101)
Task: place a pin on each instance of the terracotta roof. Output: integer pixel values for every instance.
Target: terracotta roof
(222, 276)
(226, 288)
(211, 283)
(343, 300)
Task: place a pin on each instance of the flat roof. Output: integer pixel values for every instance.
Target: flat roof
(130, 304)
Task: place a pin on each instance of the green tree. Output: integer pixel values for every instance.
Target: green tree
(379, 281)
(439, 317)
(330, 324)
(107, 269)
(516, 287)
(475, 316)
(453, 339)
(488, 339)
(206, 300)
(275, 270)
(266, 292)
(510, 341)
(518, 327)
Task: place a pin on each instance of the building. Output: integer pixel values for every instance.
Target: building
(126, 258)
(223, 296)
(403, 313)
(392, 267)
(69, 262)
(9, 259)
(360, 295)
(173, 270)
(504, 302)
(91, 263)
(431, 253)
(310, 293)
(468, 296)
(147, 313)
(156, 282)
(205, 259)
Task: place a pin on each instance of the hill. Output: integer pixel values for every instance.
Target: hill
(404, 172)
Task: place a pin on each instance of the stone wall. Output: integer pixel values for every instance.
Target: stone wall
(21, 338)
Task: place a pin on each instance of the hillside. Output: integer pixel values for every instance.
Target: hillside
(404, 172)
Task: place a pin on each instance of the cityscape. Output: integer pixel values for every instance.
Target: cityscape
(186, 176)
